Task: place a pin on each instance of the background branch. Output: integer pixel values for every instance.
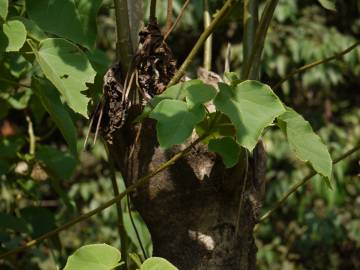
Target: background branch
(314, 64)
(178, 18)
(299, 184)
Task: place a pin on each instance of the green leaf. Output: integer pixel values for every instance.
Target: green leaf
(74, 20)
(68, 68)
(10, 222)
(12, 36)
(199, 94)
(141, 227)
(175, 121)
(227, 148)
(94, 257)
(50, 99)
(99, 61)
(4, 5)
(233, 78)
(33, 30)
(217, 125)
(251, 106)
(328, 4)
(59, 164)
(40, 220)
(177, 91)
(9, 147)
(156, 263)
(306, 144)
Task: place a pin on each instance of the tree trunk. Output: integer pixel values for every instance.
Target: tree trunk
(191, 208)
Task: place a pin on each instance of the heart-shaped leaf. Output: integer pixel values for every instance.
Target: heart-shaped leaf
(227, 148)
(68, 68)
(175, 121)
(12, 36)
(306, 144)
(156, 263)
(251, 106)
(96, 256)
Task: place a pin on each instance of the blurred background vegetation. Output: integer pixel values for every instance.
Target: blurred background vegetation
(317, 228)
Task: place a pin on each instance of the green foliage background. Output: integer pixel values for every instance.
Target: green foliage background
(317, 228)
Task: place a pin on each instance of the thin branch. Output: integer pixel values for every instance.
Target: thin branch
(169, 15)
(314, 64)
(208, 42)
(200, 42)
(32, 138)
(120, 218)
(140, 182)
(252, 67)
(178, 18)
(296, 186)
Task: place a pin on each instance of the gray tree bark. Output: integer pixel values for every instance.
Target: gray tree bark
(191, 208)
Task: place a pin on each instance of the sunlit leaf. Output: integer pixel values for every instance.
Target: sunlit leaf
(328, 4)
(156, 263)
(68, 68)
(4, 4)
(12, 36)
(94, 257)
(306, 144)
(251, 106)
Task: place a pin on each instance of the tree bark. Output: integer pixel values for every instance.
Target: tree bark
(191, 208)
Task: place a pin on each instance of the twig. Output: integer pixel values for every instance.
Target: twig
(314, 64)
(178, 18)
(140, 182)
(120, 218)
(200, 42)
(208, 42)
(252, 67)
(169, 15)
(32, 138)
(299, 184)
